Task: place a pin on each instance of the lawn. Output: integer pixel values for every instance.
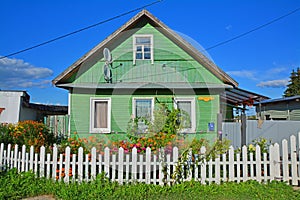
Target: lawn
(21, 185)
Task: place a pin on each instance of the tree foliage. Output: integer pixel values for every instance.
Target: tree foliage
(293, 88)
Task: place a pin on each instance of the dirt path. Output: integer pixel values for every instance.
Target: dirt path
(43, 197)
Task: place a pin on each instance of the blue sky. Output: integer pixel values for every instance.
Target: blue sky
(260, 62)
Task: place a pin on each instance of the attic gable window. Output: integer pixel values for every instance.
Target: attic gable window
(142, 48)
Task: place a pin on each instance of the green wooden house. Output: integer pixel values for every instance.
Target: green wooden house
(140, 65)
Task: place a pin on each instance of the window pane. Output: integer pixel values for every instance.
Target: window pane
(146, 48)
(139, 56)
(139, 48)
(185, 108)
(147, 56)
(143, 108)
(143, 40)
(101, 112)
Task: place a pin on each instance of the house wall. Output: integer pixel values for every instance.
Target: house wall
(11, 101)
(288, 110)
(179, 67)
(28, 114)
(122, 111)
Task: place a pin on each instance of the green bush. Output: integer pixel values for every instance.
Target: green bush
(20, 185)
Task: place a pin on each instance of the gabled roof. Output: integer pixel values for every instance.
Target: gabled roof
(186, 46)
(238, 96)
(284, 99)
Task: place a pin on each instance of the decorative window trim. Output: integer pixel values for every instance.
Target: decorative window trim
(134, 47)
(93, 100)
(138, 98)
(193, 112)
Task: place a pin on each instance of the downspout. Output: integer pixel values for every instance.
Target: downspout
(243, 126)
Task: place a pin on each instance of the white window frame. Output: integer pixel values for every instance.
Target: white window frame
(134, 47)
(193, 112)
(142, 98)
(93, 100)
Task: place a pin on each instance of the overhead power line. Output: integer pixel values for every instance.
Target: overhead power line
(80, 30)
(145, 6)
(252, 30)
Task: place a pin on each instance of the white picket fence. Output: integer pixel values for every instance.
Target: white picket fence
(281, 163)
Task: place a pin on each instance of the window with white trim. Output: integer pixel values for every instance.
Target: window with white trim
(143, 108)
(143, 47)
(100, 121)
(187, 115)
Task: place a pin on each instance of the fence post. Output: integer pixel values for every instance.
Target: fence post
(271, 161)
(74, 167)
(203, 164)
(285, 164)
(8, 156)
(294, 160)
(42, 161)
(277, 161)
(134, 164)
(245, 163)
(106, 161)
(23, 158)
(175, 162)
(120, 165)
(161, 166)
(48, 164)
(1, 155)
(54, 162)
(31, 159)
(16, 156)
(86, 163)
(231, 163)
(67, 164)
(93, 167)
(148, 165)
(258, 162)
(80, 164)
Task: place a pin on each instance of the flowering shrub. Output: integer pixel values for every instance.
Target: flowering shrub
(263, 143)
(154, 141)
(29, 133)
(74, 143)
(5, 136)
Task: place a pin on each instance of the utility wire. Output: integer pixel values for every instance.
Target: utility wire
(148, 5)
(80, 30)
(255, 29)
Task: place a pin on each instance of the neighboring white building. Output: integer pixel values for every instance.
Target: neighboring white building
(15, 107)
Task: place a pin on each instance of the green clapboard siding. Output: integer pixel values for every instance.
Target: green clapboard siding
(122, 110)
(180, 67)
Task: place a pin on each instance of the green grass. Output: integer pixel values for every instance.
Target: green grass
(20, 185)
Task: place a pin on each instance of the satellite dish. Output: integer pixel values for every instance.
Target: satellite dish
(107, 55)
(107, 73)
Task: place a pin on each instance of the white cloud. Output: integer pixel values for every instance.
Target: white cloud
(16, 73)
(243, 74)
(277, 70)
(228, 27)
(274, 83)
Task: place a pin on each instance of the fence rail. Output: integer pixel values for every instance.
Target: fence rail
(280, 163)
